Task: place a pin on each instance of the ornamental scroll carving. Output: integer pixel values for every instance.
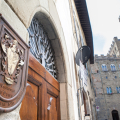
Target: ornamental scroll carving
(14, 53)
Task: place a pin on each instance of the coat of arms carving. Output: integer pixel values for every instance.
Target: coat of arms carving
(14, 54)
(12, 59)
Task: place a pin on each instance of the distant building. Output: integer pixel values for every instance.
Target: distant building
(106, 81)
(115, 47)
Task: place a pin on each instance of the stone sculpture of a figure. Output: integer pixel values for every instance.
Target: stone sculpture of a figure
(13, 57)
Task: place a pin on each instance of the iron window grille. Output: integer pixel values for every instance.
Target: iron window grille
(40, 47)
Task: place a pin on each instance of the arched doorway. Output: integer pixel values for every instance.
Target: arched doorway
(42, 99)
(115, 115)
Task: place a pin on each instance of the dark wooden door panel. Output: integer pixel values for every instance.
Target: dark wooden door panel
(37, 70)
(29, 104)
(42, 86)
(52, 113)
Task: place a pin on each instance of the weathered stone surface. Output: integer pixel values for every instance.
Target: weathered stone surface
(13, 20)
(14, 115)
(106, 102)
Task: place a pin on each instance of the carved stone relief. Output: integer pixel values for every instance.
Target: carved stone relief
(14, 54)
(12, 58)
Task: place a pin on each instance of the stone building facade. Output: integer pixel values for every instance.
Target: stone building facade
(67, 28)
(115, 47)
(106, 81)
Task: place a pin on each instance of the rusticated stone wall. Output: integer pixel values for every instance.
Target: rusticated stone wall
(102, 80)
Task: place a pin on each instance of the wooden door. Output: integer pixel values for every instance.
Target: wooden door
(115, 115)
(29, 104)
(41, 86)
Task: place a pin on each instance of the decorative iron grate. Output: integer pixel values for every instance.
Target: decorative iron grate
(40, 47)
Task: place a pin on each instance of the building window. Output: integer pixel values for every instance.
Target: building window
(118, 89)
(113, 67)
(41, 48)
(119, 66)
(104, 67)
(109, 90)
(79, 37)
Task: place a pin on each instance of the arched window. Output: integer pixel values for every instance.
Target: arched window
(104, 67)
(107, 89)
(113, 68)
(110, 90)
(117, 89)
(40, 46)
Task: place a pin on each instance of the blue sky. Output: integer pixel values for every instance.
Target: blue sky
(105, 25)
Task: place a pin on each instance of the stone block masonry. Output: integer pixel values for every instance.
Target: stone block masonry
(103, 79)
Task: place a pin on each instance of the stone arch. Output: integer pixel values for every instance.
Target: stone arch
(61, 59)
(49, 26)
